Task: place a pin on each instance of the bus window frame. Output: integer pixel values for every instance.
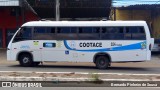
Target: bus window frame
(100, 33)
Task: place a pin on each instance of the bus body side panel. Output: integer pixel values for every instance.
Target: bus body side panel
(53, 50)
(118, 56)
(9, 55)
(71, 51)
(57, 55)
(25, 46)
(13, 52)
(119, 51)
(128, 56)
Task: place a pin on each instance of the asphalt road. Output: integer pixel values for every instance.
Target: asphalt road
(151, 67)
(64, 68)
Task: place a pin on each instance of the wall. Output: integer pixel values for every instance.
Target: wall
(133, 15)
(156, 25)
(9, 21)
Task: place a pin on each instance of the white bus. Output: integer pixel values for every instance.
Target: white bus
(100, 42)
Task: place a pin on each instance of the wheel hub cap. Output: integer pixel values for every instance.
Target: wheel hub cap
(102, 62)
(25, 60)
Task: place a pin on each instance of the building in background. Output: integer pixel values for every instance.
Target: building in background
(149, 13)
(13, 13)
(73, 9)
(138, 10)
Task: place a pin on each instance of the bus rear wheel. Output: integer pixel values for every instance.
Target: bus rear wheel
(25, 60)
(102, 62)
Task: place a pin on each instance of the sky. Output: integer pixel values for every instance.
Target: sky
(133, 2)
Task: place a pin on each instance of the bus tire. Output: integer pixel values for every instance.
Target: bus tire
(102, 62)
(26, 60)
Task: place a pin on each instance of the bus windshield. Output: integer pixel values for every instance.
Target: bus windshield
(23, 34)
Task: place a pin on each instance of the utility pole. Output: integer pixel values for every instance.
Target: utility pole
(57, 10)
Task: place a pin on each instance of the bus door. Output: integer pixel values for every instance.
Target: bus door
(34, 45)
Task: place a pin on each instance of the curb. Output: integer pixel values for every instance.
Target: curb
(64, 79)
(60, 76)
(84, 73)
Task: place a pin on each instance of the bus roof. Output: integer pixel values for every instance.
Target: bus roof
(84, 23)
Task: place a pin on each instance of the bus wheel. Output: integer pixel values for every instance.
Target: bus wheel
(25, 60)
(102, 62)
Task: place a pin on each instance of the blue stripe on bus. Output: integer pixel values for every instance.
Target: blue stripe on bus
(135, 46)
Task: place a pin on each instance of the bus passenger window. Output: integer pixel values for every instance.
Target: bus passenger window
(139, 34)
(96, 30)
(50, 30)
(141, 30)
(135, 33)
(39, 30)
(85, 30)
(121, 30)
(73, 29)
(63, 30)
(112, 33)
(103, 29)
(88, 33)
